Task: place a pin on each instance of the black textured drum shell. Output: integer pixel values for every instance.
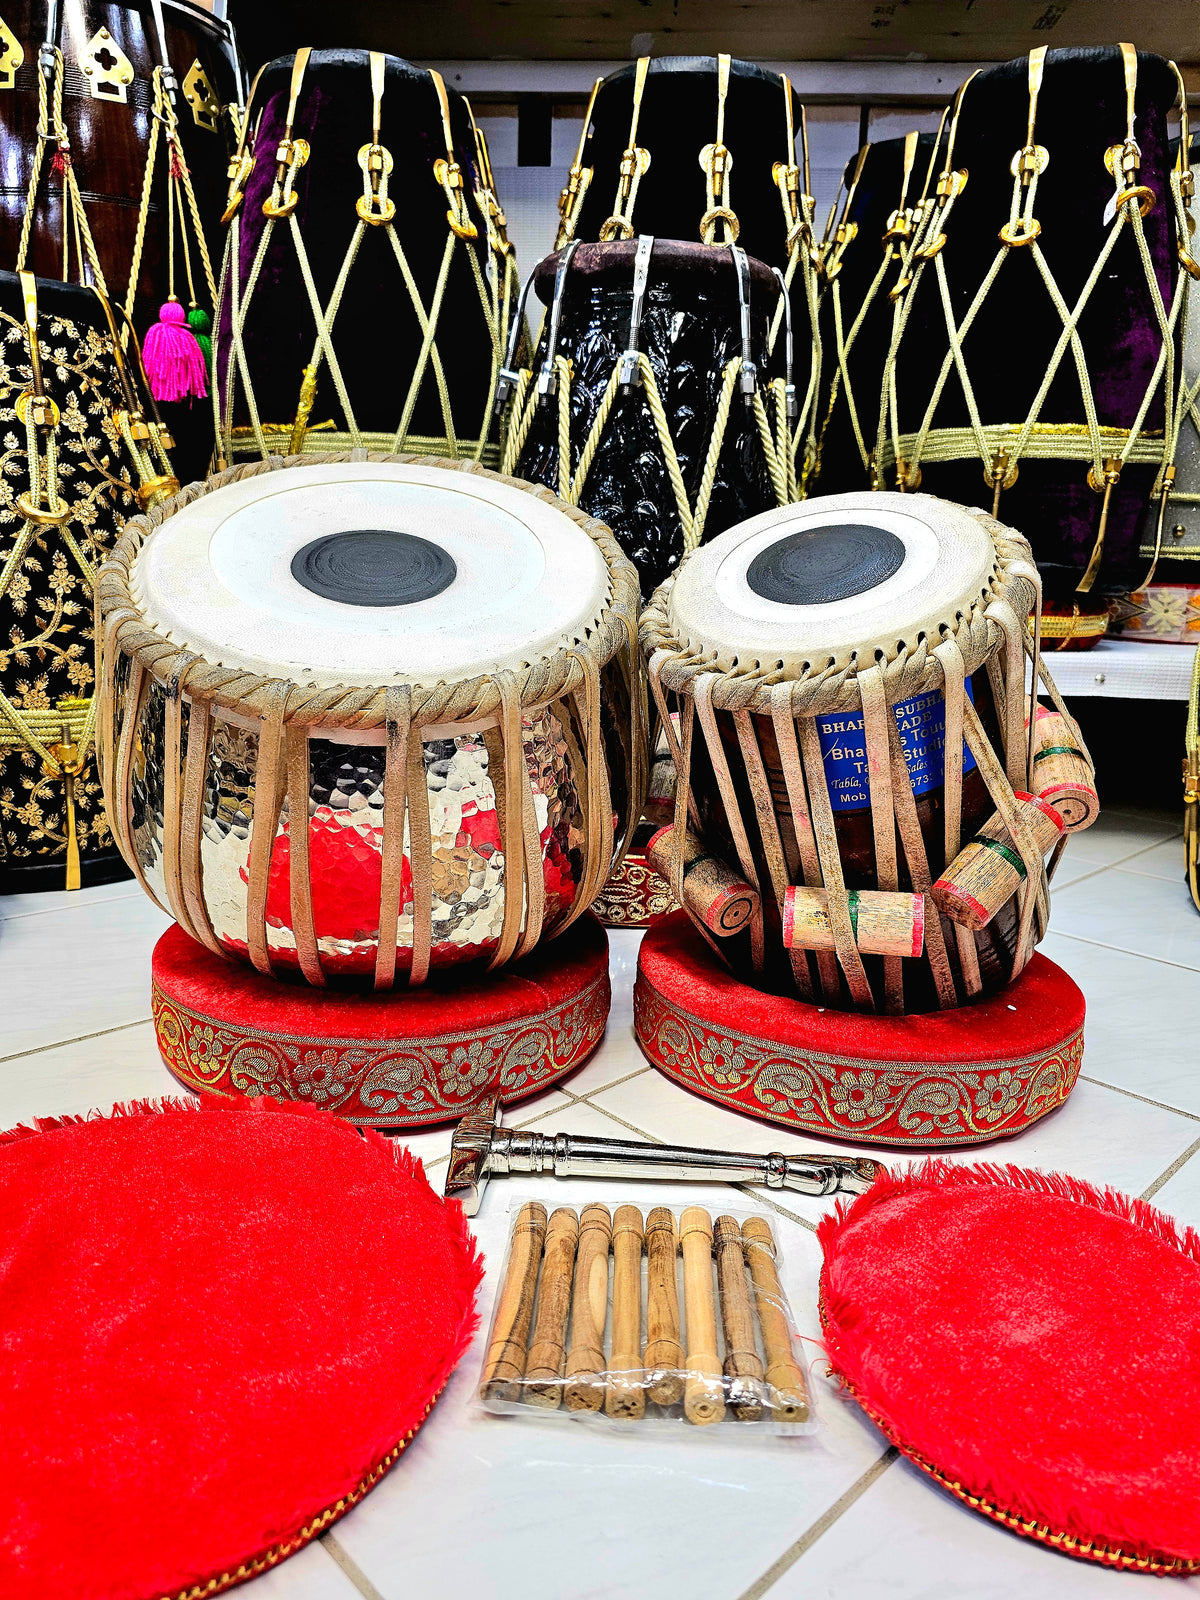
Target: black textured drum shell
(376, 336)
(678, 118)
(690, 331)
(1081, 112)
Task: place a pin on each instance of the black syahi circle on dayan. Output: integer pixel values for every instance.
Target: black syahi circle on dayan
(374, 567)
(816, 566)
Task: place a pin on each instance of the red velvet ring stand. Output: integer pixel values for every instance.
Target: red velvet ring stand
(223, 1322)
(1033, 1344)
(395, 1060)
(949, 1077)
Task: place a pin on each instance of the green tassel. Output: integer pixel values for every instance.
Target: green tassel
(201, 325)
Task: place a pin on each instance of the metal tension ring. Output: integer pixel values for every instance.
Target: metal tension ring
(1112, 471)
(1030, 161)
(1144, 196)
(37, 514)
(372, 207)
(1188, 262)
(725, 215)
(1003, 471)
(1015, 234)
(292, 154)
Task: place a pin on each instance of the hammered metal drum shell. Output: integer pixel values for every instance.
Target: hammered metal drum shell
(451, 906)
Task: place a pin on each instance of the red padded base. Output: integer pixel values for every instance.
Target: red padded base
(950, 1077)
(223, 1323)
(1033, 1344)
(400, 1059)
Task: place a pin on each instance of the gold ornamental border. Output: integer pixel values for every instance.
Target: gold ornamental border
(581, 1018)
(634, 895)
(651, 1010)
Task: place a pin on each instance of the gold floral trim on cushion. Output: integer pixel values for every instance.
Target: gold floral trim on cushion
(897, 1102)
(389, 1083)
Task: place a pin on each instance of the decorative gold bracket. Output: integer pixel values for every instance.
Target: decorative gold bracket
(106, 67)
(11, 56)
(201, 96)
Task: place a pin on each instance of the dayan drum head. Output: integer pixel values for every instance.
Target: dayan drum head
(843, 576)
(370, 573)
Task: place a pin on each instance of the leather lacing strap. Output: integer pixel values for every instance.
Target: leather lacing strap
(654, 679)
(683, 800)
(954, 692)
(635, 163)
(299, 787)
(172, 806)
(512, 780)
(638, 733)
(191, 825)
(877, 715)
(598, 821)
(918, 871)
(268, 802)
(702, 691)
(1013, 707)
(802, 826)
(398, 726)
(420, 846)
(123, 768)
(768, 829)
(845, 944)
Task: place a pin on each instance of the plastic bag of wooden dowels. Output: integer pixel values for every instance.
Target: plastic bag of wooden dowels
(622, 1314)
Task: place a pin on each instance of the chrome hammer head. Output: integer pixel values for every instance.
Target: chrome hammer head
(469, 1151)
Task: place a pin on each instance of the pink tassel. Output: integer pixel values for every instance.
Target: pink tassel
(174, 361)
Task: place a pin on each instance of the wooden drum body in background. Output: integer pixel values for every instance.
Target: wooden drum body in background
(351, 641)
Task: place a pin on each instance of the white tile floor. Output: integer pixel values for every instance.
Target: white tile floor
(496, 1508)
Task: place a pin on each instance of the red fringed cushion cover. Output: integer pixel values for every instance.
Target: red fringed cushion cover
(218, 1328)
(1034, 1344)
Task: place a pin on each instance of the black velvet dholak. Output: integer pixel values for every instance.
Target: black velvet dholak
(377, 335)
(678, 118)
(872, 201)
(1080, 113)
(690, 331)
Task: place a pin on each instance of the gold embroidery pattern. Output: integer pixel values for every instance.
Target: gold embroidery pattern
(397, 1084)
(633, 896)
(46, 650)
(904, 1103)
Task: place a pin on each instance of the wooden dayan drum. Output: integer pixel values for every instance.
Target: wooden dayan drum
(850, 675)
(434, 665)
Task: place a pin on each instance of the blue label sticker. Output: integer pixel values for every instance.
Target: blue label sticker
(922, 725)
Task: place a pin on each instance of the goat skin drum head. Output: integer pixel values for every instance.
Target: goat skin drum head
(219, 1327)
(1033, 1344)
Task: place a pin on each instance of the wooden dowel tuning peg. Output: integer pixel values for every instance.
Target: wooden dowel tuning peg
(743, 1368)
(663, 1356)
(885, 922)
(714, 893)
(987, 872)
(625, 1395)
(703, 1394)
(787, 1392)
(589, 1309)
(505, 1365)
(548, 1346)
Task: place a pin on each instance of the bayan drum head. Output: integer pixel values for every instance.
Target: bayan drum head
(842, 576)
(369, 573)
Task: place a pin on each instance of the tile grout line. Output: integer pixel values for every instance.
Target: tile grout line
(86, 905)
(1142, 955)
(83, 1038)
(1162, 1105)
(338, 1554)
(1165, 1177)
(821, 1526)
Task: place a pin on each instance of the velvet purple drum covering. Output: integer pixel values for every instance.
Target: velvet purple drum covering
(376, 335)
(1081, 112)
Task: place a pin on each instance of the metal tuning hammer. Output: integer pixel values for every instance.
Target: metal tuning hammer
(547, 383)
(482, 1148)
(631, 370)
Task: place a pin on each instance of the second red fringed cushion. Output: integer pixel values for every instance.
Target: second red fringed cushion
(218, 1329)
(1033, 1344)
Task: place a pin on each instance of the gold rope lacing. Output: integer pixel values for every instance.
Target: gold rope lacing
(51, 129)
(1001, 447)
(790, 430)
(165, 123)
(374, 208)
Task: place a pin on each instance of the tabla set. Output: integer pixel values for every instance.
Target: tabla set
(472, 632)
